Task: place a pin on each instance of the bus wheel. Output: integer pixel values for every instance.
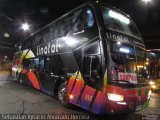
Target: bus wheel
(62, 95)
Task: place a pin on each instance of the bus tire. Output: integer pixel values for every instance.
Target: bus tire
(62, 95)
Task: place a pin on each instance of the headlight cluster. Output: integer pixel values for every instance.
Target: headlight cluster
(115, 97)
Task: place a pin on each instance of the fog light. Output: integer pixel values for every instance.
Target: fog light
(122, 103)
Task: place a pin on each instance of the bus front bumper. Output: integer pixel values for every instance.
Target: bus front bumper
(124, 107)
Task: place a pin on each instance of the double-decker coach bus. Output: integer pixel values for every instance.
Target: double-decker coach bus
(154, 68)
(92, 57)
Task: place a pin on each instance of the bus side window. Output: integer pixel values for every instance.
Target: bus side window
(48, 65)
(25, 64)
(41, 65)
(57, 65)
(83, 19)
(34, 64)
(66, 25)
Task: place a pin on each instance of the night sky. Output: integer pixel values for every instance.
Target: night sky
(38, 13)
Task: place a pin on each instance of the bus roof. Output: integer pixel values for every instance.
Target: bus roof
(91, 3)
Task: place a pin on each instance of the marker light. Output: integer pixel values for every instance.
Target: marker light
(125, 50)
(119, 17)
(70, 96)
(115, 97)
(25, 26)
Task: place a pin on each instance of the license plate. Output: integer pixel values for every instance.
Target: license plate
(138, 108)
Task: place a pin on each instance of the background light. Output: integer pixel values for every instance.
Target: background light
(140, 66)
(119, 43)
(70, 41)
(25, 26)
(146, 1)
(6, 35)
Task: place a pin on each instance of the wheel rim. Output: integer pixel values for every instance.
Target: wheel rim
(62, 94)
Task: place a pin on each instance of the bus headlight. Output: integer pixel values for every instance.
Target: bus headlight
(115, 97)
(152, 83)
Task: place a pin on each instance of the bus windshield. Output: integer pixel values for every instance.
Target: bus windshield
(118, 22)
(128, 63)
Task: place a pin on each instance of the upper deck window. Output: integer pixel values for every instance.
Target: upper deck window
(119, 22)
(83, 19)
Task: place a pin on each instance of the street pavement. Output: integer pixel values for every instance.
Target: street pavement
(21, 99)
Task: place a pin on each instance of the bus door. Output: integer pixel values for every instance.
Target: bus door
(92, 74)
